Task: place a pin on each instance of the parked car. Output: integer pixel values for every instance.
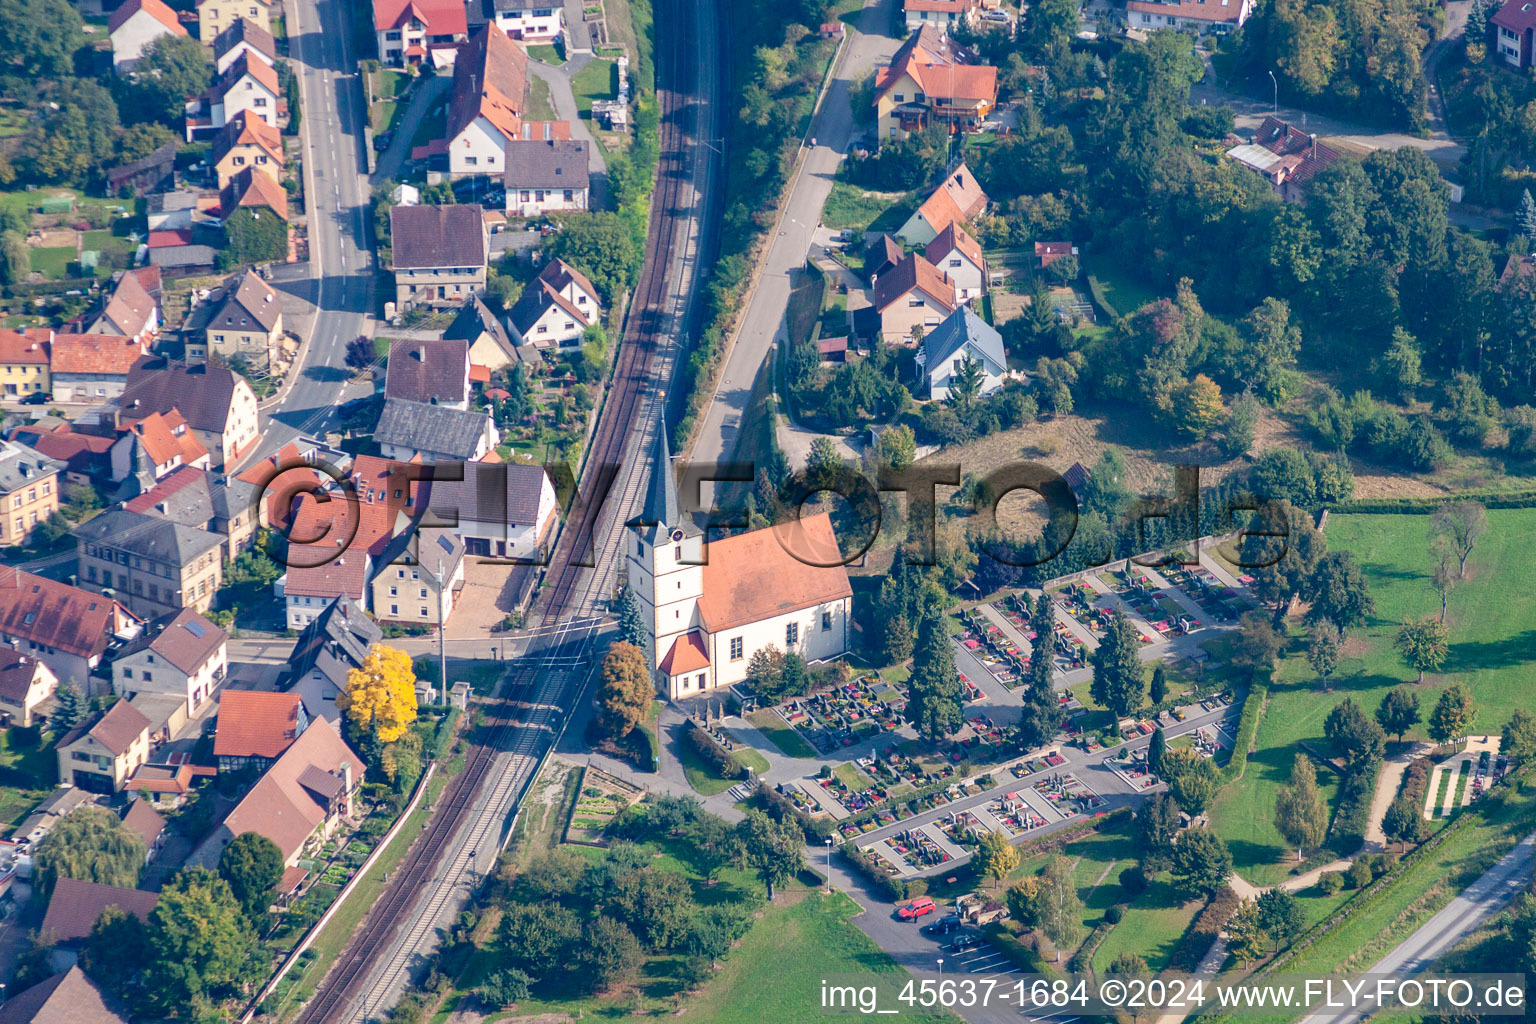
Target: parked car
(965, 942)
(920, 907)
(943, 926)
(998, 16)
(43, 398)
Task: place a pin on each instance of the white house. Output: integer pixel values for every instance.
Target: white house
(25, 683)
(942, 14)
(501, 510)
(136, 24)
(958, 257)
(181, 655)
(546, 176)
(555, 309)
(413, 31)
(244, 36)
(249, 84)
(708, 612)
(436, 433)
(1217, 17)
(964, 335)
(487, 102)
(529, 20)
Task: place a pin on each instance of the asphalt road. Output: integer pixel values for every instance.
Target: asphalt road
(1475, 905)
(832, 129)
(338, 279)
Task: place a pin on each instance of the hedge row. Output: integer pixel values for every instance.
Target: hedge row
(1423, 506)
(716, 757)
(781, 808)
(1357, 789)
(1247, 728)
(1082, 960)
(1202, 931)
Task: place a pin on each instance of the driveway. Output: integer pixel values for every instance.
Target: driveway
(424, 98)
(559, 81)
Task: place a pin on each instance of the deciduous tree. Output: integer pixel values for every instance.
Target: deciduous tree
(774, 849)
(1201, 863)
(1323, 649)
(252, 865)
(380, 696)
(1453, 715)
(625, 691)
(1354, 737)
(995, 857)
(1398, 712)
(1338, 592)
(92, 845)
(1281, 916)
(204, 949)
(1404, 822)
(1058, 910)
(1192, 780)
(1423, 644)
(1462, 524)
(1518, 740)
(1301, 814)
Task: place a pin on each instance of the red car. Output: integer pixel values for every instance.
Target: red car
(919, 907)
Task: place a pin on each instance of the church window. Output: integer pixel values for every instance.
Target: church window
(792, 633)
(826, 621)
(736, 648)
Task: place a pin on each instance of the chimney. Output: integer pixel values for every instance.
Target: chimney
(421, 354)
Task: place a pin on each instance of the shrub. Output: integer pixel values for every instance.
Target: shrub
(1202, 931)
(1114, 914)
(1133, 880)
(1360, 874)
(716, 757)
(1330, 883)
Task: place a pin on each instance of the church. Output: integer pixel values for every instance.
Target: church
(707, 620)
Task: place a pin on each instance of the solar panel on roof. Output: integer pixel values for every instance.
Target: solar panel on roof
(195, 628)
(443, 542)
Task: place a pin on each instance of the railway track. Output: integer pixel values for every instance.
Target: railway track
(549, 678)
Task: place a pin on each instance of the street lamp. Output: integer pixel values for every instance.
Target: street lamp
(829, 865)
(941, 967)
(1276, 83)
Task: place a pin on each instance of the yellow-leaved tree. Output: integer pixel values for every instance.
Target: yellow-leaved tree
(380, 698)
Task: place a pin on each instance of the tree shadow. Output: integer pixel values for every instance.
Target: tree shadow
(1504, 653)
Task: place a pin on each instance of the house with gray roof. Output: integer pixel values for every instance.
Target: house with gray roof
(502, 510)
(439, 254)
(153, 565)
(436, 432)
(546, 176)
(961, 336)
(333, 643)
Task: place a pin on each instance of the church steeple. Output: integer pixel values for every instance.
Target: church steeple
(661, 505)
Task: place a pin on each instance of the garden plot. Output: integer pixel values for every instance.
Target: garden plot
(601, 797)
(845, 715)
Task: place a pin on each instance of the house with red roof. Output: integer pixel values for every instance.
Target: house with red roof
(411, 31)
(249, 84)
(958, 199)
(254, 727)
(488, 104)
(708, 612)
(1516, 21)
(99, 754)
(65, 627)
(958, 255)
(1202, 17)
(1285, 156)
(913, 294)
(92, 367)
(932, 79)
(136, 24)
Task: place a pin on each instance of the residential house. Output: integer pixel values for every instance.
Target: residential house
(958, 198)
(130, 312)
(67, 998)
(958, 255)
(154, 565)
(248, 85)
(435, 432)
(66, 628)
(299, 801)
(179, 209)
(1515, 22)
(420, 577)
(931, 79)
(217, 402)
(708, 614)
(330, 575)
(184, 251)
(501, 510)
(489, 343)
(252, 190)
(214, 16)
(92, 367)
(333, 643)
(1202, 17)
(528, 20)
(487, 103)
(85, 456)
(1047, 253)
(255, 727)
(140, 816)
(555, 309)
(181, 655)
(155, 172)
(963, 336)
(436, 372)
(229, 507)
(281, 477)
(238, 38)
(439, 254)
(25, 684)
(242, 319)
(914, 294)
(1285, 156)
(247, 141)
(29, 491)
(24, 359)
(882, 255)
(156, 446)
(944, 15)
(165, 785)
(546, 176)
(412, 31)
(100, 753)
(75, 905)
(137, 23)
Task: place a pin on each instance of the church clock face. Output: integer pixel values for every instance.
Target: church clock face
(677, 535)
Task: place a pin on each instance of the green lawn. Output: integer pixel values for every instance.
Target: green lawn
(547, 54)
(852, 777)
(789, 742)
(1490, 616)
(700, 777)
(383, 114)
(597, 81)
(750, 758)
(540, 106)
(1151, 928)
(52, 263)
(849, 206)
(1125, 292)
(775, 974)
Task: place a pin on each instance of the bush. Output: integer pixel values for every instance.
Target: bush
(1202, 931)
(1360, 874)
(1355, 794)
(716, 757)
(1115, 914)
(1248, 728)
(779, 807)
(1330, 883)
(1133, 880)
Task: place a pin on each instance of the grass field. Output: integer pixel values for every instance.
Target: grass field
(849, 206)
(700, 777)
(52, 263)
(1121, 289)
(27, 774)
(597, 81)
(540, 106)
(1151, 927)
(1490, 617)
(547, 54)
(776, 972)
(751, 759)
(789, 742)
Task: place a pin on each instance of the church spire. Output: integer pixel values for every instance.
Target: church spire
(661, 504)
